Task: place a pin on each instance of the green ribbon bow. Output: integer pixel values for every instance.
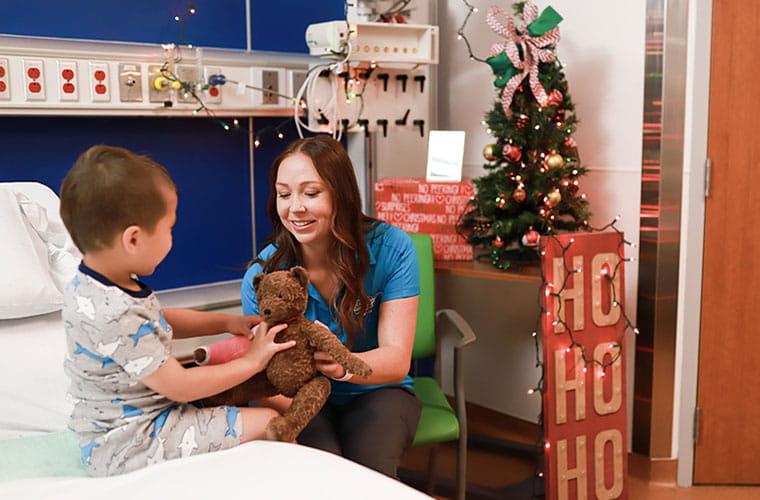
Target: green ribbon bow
(546, 21)
(503, 68)
(500, 64)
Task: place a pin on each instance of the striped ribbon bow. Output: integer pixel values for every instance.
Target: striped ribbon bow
(535, 41)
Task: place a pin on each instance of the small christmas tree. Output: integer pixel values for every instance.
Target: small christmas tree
(532, 184)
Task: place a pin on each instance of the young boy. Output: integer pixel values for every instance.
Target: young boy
(130, 395)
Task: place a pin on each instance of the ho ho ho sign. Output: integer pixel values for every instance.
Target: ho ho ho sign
(584, 404)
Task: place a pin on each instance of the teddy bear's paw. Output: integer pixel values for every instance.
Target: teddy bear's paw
(360, 368)
(280, 429)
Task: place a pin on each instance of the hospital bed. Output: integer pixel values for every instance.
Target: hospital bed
(39, 456)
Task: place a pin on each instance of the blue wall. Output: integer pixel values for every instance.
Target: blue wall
(217, 23)
(284, 28)
(278, 25)
(208, 164)
(213, 237)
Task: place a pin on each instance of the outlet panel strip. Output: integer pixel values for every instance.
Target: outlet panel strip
(46, 76)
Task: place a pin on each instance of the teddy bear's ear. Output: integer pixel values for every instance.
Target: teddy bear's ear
(256, 280)
(301, 275)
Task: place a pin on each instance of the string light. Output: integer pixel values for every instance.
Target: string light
(191, 11)
(462, 36)
(605, 273)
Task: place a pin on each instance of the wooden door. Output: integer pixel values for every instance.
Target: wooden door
(728, 393)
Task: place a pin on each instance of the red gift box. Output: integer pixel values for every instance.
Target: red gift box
(433, 208)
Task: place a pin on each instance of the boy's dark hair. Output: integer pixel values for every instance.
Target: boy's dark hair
(109, 189)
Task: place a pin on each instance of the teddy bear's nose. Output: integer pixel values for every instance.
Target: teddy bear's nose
(267, 312)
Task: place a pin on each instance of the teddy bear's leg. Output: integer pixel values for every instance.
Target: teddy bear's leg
(306, 404)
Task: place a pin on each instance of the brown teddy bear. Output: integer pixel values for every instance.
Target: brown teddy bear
(282, 298)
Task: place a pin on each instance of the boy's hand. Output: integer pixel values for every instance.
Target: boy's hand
(242, 325)
(263, 346)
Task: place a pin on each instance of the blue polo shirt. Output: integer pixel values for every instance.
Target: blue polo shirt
(393, 274)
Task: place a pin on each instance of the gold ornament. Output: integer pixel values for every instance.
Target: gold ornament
(554, 160)
(489, 152)
(553, 198)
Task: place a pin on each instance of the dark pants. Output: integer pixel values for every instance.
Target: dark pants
(373, 429)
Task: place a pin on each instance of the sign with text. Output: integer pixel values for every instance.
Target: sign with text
(584, 405)
(434, 208)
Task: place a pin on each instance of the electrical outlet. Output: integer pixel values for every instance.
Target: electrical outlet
(188, 75)
(34, 80)
(100, 85)
(268, 83)
(68, 88)
(130, 82)
(5, 86)
(159, 86)
(213, 94)
(296, 77)
(270, 80)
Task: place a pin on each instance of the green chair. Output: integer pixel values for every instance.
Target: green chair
(439, 422)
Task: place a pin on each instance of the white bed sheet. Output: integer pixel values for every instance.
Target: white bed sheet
(33, 384)
(260, 469)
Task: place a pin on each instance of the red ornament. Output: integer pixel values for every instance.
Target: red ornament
(555, 98)
(512, 153)
(519, 194)
(531, 238)
(497, 242)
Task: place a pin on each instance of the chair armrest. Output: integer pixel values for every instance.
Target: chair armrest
(467, 335)
(460, 324)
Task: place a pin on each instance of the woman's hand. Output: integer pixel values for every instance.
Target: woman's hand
(263, 346)
(325, 363)
(242, 325)
(328, 366)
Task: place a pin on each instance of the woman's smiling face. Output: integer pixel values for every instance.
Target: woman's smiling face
(304, 204)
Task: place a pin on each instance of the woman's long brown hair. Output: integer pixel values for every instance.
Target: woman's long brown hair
(348, 249)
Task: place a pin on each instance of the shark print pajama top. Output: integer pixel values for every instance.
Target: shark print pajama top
(116, 337)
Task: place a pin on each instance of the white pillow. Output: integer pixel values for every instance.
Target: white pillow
(33, 383)
(37, 257)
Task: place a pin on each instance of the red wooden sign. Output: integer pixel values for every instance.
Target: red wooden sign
(434, 208)
(584, 410)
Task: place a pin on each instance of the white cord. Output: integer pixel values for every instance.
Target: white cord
(331, 107)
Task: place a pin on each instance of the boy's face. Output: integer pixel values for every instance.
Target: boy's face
(156, 245)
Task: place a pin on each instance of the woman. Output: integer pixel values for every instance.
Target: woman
(364, 287)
